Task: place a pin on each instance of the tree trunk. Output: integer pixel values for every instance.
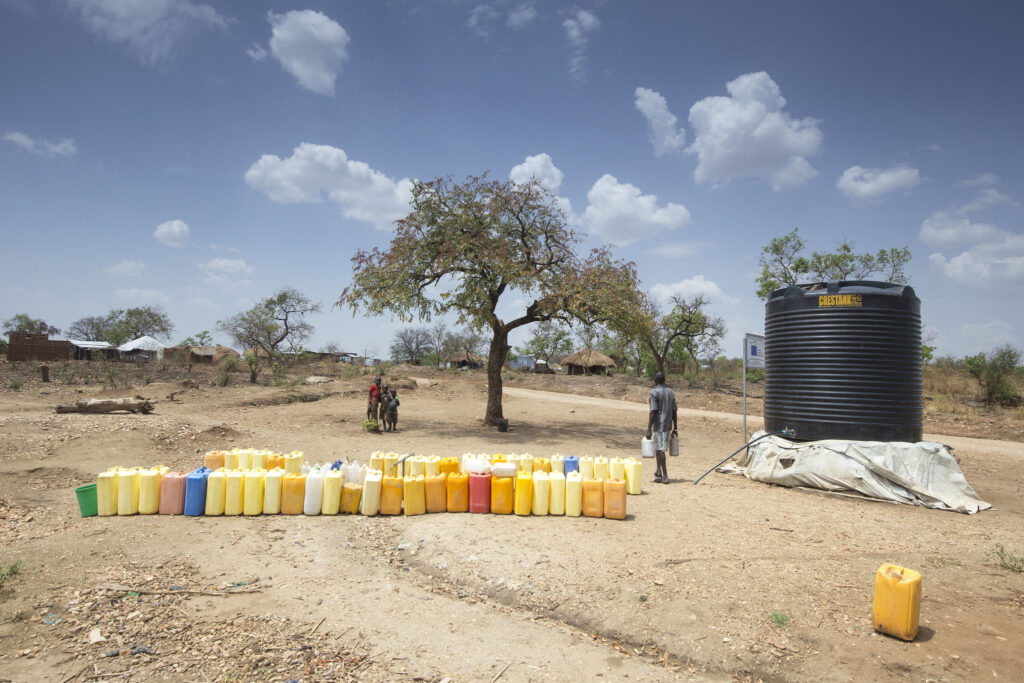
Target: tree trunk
(495, 361)
(108, 405)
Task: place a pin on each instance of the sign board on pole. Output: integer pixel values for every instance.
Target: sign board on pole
(753, 350)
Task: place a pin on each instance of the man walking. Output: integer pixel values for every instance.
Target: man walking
(662, 418)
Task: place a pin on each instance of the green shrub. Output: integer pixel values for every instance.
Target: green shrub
(780, 618)
(8, 571)
(15, 384)
(996, 371)
(1007, 560)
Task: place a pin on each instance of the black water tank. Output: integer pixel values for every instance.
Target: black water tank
(843, 361)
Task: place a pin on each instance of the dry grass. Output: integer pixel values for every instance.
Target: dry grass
(950, 382)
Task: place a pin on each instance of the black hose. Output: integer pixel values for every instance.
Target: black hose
(784, 431)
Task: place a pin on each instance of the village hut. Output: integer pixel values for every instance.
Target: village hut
(223, 352)
(145, 348)
(92, 350)
(201, 354)
(464, 359)
(587, 361)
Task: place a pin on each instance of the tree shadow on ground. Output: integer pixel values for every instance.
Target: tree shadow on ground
(523, 436)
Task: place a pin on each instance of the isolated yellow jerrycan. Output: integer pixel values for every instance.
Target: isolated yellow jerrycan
(897, 605)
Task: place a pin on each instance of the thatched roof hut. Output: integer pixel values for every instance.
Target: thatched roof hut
(223, 352)
(464, 359)
(587, 361)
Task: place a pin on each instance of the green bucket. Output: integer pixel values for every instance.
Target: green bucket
(87, 500)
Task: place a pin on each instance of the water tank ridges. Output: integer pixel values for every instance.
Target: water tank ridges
(844, 361)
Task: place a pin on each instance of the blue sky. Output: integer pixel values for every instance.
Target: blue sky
(202, 155)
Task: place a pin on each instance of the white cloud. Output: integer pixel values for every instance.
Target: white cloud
(310, 46)
(662, 128)
(988, 335)
(152, 29)
(196, 296)
(541, 167)
(172, 233)
(689, 288)
(577, 27)
(986, 198)
(226, 272)
(256, 52)
(126, 269)
(871, 184)
(997, 261)
(678, 249)
(942, 229)
(521, 17)
(315, 170)
(45, 148)
(747, 135)
(621, 214)
(481, 20)
(142, 296)
(980, 180)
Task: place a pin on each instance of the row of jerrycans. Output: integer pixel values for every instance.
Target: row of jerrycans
(313, 490)
(253, 459)
(628, 470)
(140, 490)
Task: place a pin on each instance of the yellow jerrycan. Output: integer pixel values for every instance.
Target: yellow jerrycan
(449, 465)
(106, 494)
(593, 498)
(293, 463)
(617, 469)
(614, 499)
(573, 494)
(128, 492)
(458, 492)
(351, 493)
(234, 493)
(634, 476)
(244, 460)
(414, 494)
(558, 463)
(369, 504)
(272, 491)
(215, 493)
(214, 460)
(253, 495)
(436, 488)
(149, 490)
(542, 465)
(377, 461)
(524, 493)
(557, 485)
(600, 468)
(587, 467)
(330, 503)
(432, 465)
(502, 495)
(231, 459)
(293, 493)
(391, 494)
(541, 492)
(897, 606)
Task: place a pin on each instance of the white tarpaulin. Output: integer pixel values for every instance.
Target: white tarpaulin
(923, 473)
(144, 343)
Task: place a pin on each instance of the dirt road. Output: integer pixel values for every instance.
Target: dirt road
(685, 588)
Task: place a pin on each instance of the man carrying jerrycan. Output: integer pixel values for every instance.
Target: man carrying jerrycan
(662, 423)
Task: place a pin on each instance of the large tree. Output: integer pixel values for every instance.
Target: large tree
(23, 322)
(275, 324)
(468, 247)
(122, 325)
(410, 344)
(783, 263)
(685, 330)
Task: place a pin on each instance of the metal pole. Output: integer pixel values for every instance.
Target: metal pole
(744, 388)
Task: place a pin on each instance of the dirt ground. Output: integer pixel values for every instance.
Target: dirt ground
(685, 588)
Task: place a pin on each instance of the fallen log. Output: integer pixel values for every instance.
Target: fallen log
(108, 405)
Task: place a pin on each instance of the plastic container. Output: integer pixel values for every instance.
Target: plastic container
(293, 493)
(431, 465)
(458, 492)
(293, 463)
(541, 493)
(172, 494)
(86, 496)
(601, 468)
(587, 467)
(214, 460)
(244, 460)
(556, 484)
(436, 491)
(253, 496)
(572, 464)
(274, 461)
(352, 473)
(614, 499)
(502, 494)
(234, 493)
(480, 493)
(558, 463)
(498, 457)
(369, 502)
(542, 465)
(504, 469)
(272, 491)
(592, 499)
(617, 469)
(230, 460)
(573, 494)
(195, 491)
(377, 461)
(391, 495)
(448, 465)
(634, 476)
(476, 466)
(259, 460)
(149, 491)
(314, 491)
(128, 492)
(331, 503)
(414, 494)
(524, 493)
(526, 463)
(106, 494)
(647, 448)
(391, 467)
(351, 493)
(673, 445)
(215, 493)
(416, 466)
(897, 606)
